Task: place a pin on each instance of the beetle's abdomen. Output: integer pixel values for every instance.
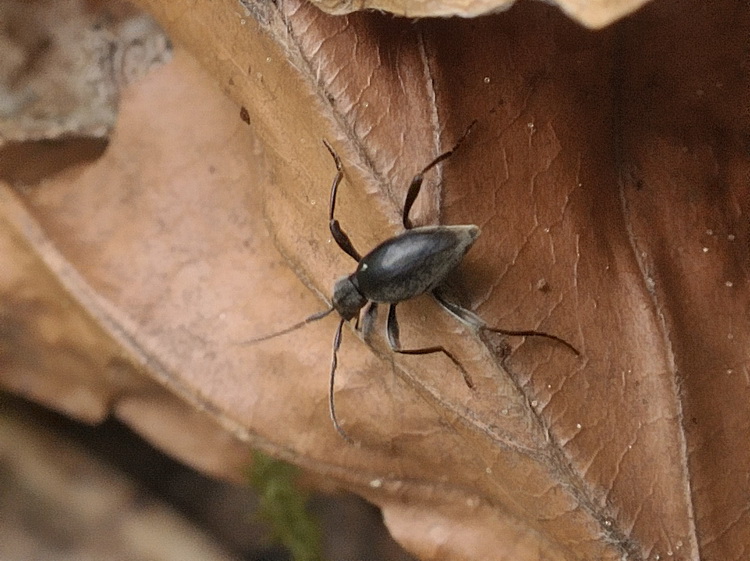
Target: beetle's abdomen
(412, 263)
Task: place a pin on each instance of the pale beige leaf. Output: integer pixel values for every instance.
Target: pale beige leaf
(591, 13)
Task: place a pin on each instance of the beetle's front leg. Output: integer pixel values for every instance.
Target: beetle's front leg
(338, 234)
(331, 382)
(367, 318)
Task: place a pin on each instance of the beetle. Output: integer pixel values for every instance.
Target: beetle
(402, 267)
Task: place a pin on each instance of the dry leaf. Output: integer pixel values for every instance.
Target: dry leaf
(591, 13)
(61, 502)
(608, 172)
(63, 66)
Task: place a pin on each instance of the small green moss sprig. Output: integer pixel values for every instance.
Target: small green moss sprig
(282, 505)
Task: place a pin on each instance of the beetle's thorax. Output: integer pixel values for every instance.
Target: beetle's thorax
(347, 299)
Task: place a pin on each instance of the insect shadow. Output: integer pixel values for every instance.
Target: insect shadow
(402, 267)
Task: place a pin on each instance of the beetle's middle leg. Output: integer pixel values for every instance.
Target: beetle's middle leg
(395, 344)
(338, 234)
(416, 183)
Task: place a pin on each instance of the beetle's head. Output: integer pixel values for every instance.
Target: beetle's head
(347, 300)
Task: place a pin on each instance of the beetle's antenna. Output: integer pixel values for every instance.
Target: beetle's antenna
(334, 362)
(315, 317)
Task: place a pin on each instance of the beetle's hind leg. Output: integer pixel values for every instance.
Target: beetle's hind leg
(471, 318)
(395, 344)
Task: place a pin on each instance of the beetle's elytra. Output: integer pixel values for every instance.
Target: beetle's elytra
(412, 263)
(402, 267)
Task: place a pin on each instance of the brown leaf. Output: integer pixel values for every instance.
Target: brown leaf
(608, 172)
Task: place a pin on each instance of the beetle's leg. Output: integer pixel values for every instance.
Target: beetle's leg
(395, 344)
(338, 234)
(368, 319)
(334, 362)
(416, 183)
(411, 195)
(474, 320)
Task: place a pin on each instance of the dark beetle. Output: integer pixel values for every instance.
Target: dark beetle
(399, 269)
(403, 267)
